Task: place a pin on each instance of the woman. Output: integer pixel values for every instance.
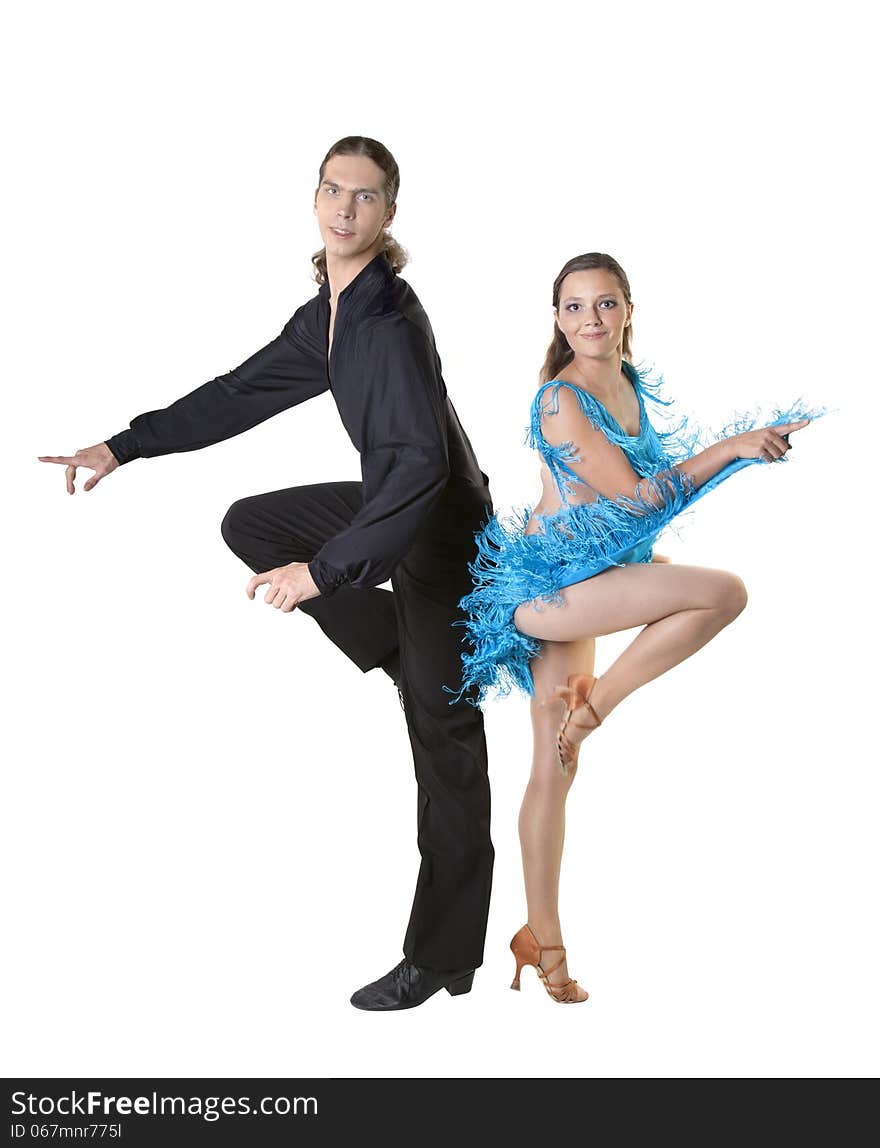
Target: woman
(581, 565)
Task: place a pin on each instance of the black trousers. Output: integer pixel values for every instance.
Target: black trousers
(447, 925)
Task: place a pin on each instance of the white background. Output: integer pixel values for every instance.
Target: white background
(205, 853)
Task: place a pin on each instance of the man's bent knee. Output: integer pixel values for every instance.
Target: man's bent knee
(232, 525)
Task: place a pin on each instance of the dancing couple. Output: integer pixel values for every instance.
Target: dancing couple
(532, 592)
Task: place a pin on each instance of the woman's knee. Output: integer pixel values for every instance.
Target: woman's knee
(546, 774)
(732, 596)
(547, 782)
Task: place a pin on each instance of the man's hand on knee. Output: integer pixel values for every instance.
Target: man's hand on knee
(288, 586)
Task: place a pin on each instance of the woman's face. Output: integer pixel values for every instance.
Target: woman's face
(593, 313)
(351, 207)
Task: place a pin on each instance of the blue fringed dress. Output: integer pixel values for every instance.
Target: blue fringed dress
(580, 539)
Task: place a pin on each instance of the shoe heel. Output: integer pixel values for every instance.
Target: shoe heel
(515, 983)
(462, 985)
(524, 952)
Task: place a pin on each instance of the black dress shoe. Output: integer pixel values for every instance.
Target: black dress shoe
(408, 985)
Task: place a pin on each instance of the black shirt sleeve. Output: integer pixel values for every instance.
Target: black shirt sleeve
(404, 457)
(289, 370)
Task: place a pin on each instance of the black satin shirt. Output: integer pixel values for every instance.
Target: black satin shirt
(384, 374)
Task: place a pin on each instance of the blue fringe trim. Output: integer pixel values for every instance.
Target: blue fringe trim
(582, 539)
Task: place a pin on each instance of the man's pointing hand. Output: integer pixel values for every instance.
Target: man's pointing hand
(99, 458)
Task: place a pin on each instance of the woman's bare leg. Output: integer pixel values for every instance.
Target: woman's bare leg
(680, 607)
(542, 815)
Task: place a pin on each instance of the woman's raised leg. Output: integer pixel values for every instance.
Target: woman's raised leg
(680, 607)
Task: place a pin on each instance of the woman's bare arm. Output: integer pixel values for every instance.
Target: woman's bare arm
(604, 467)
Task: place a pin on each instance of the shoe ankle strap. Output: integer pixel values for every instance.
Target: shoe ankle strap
(546, 972)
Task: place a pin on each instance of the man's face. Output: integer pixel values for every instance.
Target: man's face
(351, 207)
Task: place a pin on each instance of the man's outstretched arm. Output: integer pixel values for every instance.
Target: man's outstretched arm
(287, 371)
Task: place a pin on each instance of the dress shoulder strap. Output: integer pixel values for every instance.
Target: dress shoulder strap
(546, 402)
(559, 457)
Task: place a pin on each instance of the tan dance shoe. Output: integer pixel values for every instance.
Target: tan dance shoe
(576, 695)
(528, 950)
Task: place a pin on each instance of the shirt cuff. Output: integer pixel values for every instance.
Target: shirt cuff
(124, 447)
(327, 578)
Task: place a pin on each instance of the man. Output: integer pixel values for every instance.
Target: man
(325, 549)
